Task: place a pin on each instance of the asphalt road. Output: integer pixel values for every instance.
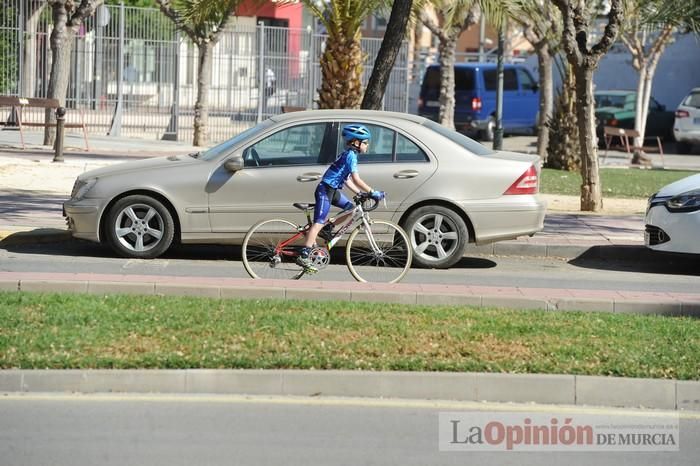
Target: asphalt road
(155, 430)
(645, 271)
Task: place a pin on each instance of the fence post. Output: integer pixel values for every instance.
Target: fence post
(20, 62)
(116, 126)
(58, 144)
(312, 68)
(173, 125)
(261, 71)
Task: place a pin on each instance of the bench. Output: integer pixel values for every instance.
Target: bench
(624, 136)
(290, 108)
(19, 103)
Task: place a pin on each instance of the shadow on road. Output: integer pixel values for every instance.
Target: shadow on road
(80, 248)
(638, 259)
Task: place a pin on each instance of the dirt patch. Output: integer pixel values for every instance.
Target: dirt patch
(611, 206)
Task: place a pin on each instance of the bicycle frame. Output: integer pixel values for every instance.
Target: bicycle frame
(358, 217)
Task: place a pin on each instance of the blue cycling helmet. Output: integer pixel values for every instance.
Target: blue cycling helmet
(355, 131)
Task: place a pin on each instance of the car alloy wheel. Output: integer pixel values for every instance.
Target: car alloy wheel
(438, 236)
(140, 227)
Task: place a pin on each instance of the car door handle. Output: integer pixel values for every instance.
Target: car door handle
(405, 174)
(309, 177)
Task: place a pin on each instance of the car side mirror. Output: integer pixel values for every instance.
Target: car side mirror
(535, 87)
(234, 163)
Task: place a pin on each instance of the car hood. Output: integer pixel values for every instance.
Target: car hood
(680, 186)
(139, 166)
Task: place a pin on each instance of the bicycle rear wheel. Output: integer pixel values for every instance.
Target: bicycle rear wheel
(270, 249)
(388, 262)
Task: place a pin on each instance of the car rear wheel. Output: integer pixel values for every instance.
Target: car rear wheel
(438, 236)
(140, 227)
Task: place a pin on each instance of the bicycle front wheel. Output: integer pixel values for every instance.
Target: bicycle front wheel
(381, 254)
(270, 249)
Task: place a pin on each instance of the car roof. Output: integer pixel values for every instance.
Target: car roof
(616, 92)
(485, 65)
(349, 114)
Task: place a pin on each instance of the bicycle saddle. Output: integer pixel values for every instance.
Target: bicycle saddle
(303, 206)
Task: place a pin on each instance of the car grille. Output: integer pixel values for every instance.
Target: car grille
(655, 235)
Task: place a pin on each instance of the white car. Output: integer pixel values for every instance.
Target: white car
(673, 217)
(686, 127)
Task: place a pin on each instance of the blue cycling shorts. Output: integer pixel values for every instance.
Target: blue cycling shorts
(327, 196)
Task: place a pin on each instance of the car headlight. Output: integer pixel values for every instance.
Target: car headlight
(685, 202)
(81, 188)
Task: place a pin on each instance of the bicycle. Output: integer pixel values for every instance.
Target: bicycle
(376, 250)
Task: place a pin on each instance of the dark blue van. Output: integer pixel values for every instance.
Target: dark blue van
(475, 98)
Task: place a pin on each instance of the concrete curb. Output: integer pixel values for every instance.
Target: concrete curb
(517, 388)
(504, 248)
(638, 304)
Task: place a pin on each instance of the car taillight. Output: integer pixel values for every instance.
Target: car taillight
(476, 104)
(682, 114)
(526, 184)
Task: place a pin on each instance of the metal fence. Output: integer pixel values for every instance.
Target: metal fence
(132, 73)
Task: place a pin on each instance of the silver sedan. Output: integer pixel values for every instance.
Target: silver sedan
(445, 189)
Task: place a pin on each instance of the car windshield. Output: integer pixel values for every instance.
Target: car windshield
(608, 100)
(227, 146)
(459, 138)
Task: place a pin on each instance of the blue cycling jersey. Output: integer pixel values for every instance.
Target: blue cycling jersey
(339, 171)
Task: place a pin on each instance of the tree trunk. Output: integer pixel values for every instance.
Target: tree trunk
(341, 72)
(30, 43)
(591, 192)
(201, 106)
(544, 60)
(446, 49)
(563, 150)
(61, 45)
(384, 63)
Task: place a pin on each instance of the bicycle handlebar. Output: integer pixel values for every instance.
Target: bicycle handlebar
(368, 204)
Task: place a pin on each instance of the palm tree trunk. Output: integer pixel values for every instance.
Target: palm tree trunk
(201, 106)
(546, 109)
(591, 192)
(341, 71)
(446, 49)
(61, 44)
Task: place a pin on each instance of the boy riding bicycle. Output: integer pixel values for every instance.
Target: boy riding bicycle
(329, 191)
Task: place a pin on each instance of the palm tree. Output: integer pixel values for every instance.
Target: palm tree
(342, 59)
(202, 21)
(583, 54)
(455, 16)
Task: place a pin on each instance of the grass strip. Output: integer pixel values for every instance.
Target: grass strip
(615, 182)
(76, 331)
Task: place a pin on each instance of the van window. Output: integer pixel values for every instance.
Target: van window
(510, 83)
(464, 79)
(432, 79)
(526, 81)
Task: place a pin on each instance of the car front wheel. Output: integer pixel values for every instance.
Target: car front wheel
(438, 236)
(140, 227)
